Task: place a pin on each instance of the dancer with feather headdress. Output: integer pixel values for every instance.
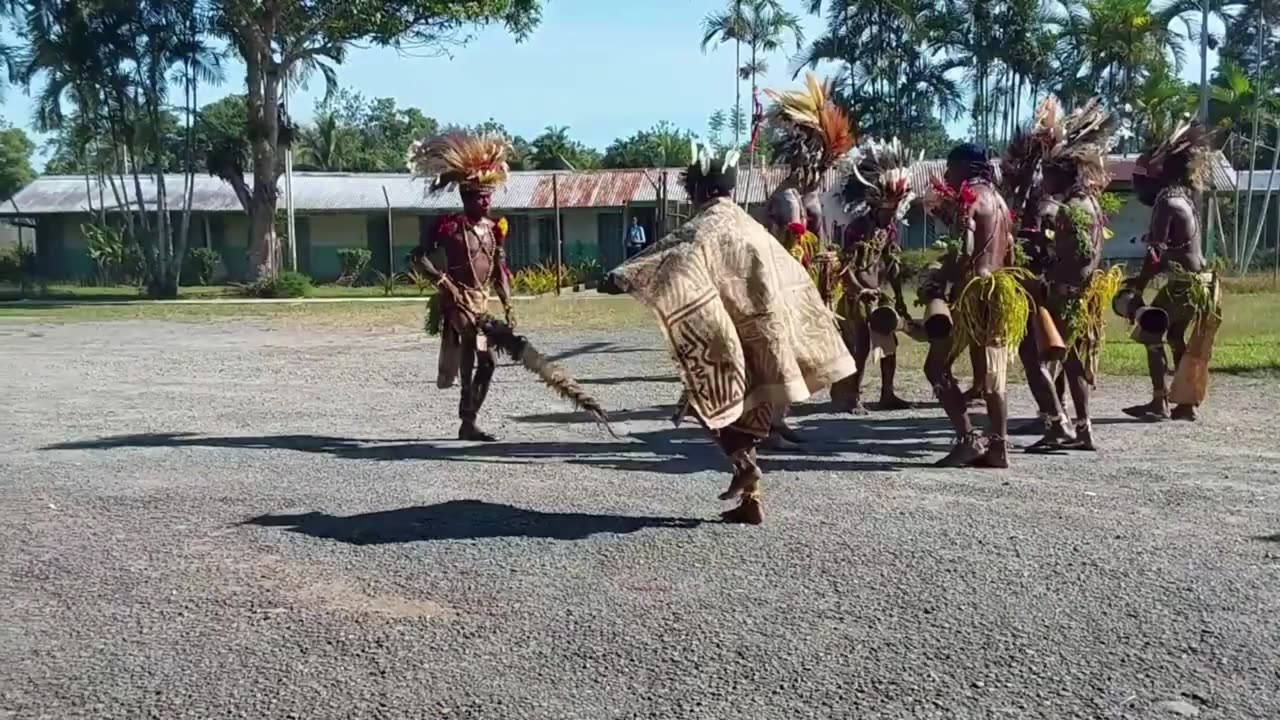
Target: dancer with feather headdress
(975, 284)
(1072, 287)
(475, 261)
(1033, 213)
(744, 322)
(878, 193)
(816, 135)
(1166, 178)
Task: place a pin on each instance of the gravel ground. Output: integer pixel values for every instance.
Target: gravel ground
(230, 520)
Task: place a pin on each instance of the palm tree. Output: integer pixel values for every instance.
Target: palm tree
(113, 64)
(327, 145)
(888, 72)
(763, 26)
(1121, 43)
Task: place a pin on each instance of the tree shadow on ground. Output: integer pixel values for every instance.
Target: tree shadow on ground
(672, 451)
(462, 520)
(630, 379)
(599, 348)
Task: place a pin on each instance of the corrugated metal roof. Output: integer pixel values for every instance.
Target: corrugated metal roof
(1258, 180)
(363, 192)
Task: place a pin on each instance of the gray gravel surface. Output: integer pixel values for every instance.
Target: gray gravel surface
(230, 520)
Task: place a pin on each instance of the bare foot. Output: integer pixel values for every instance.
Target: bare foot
(1083, 441)
(1055, 437)
(997, 455)
(470, 432)
(967, 451)
(893, 402)
(1154, 411)
(750, 512)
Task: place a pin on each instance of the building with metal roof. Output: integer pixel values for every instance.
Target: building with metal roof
(338, 210)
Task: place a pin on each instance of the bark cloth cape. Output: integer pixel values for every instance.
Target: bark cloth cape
(478, 163)
(742, 318)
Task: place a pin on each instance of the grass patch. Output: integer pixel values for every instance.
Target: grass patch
(1249, 341)
(210, 292)
(598, 314)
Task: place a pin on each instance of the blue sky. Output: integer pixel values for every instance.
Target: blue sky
(604, 69)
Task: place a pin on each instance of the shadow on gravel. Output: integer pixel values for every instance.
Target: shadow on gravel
(1269, 538)
(463, 520)
(599, 348)
(630, 379)
(681, 451)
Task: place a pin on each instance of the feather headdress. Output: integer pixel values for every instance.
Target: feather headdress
(472, 162)
(1180, 159)
(817, 133)
(880, 176)
(1021, 162)
(1085, 139)
(715, 175)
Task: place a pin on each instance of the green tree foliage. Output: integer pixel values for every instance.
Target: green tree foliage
(109, 72)
(15, 161)
(660, 146)
(279, 40)
(555, 150)
(352, 134)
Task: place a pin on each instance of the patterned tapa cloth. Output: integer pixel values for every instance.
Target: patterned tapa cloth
(742, 317)
(459, 329)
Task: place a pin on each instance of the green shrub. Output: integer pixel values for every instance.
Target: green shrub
(285, 285)
(915, 261)
(353, 262)
(18, 266)
(420, 281)
(117, 259)
(387, 282)
(11, 265)
(536, 280)
(588, 271)
(202, 264)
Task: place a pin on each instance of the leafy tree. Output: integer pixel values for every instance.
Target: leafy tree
(762, 26)
(890, 70)
(116, 63)
(521, 150)
(555, 150)
(660, 146)
(15, 161)
(290, 39)
(353, 134)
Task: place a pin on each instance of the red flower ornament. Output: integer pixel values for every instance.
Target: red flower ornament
(448, 226)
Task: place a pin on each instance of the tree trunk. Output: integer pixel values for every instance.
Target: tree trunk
(1262, 216)
(263, 75)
